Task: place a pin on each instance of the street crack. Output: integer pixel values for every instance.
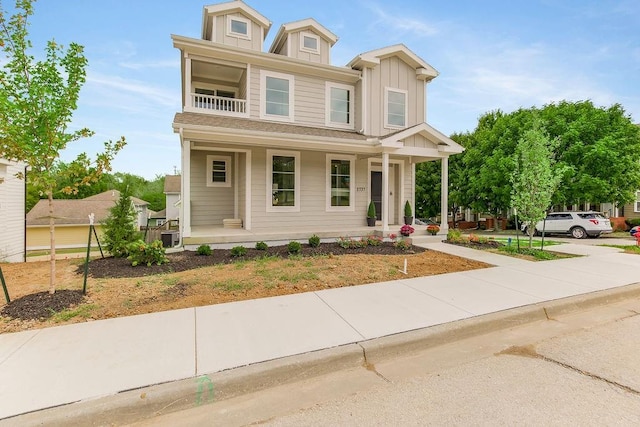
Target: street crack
(530, 351)
(371, 367)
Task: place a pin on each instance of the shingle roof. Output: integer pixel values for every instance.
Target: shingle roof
(172, 183)
(69, 211)
(113, 196)
(215, 121)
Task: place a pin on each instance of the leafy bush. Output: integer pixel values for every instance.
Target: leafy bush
(119, 228)
(454, 235)
(373, 240)
(536, 253)
(294, 247)
(402, 245)
(203, 250)
(149, 254)
(314, 241)
(632, 222)
(238, 251)
(262, 246)
(351, 243)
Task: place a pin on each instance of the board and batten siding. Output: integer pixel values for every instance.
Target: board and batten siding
(394, 73)
(294, 42)
(209, 205)
(12, 212)
(220, 33)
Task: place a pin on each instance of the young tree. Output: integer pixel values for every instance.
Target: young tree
(119, 228)
(533, 179)
(37, 100)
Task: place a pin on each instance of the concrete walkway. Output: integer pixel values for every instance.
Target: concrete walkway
(56, 366)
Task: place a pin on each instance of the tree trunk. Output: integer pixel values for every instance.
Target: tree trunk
(52, 234)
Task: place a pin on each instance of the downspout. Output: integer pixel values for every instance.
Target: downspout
(181, 212)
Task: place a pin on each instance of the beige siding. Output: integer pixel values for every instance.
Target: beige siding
(220, 33)
(394, 73)
(74, 236)
(209, 205)
(12, 212)
(242, 186)
(323, 47)
(418, 141)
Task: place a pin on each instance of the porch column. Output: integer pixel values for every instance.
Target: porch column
(444, 193)
(187, 81)
(185, 182)
(385, 191)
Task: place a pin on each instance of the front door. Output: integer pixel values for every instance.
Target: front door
(376, 192)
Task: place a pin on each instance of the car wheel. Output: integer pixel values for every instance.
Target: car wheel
(537, 232)
(578, 233)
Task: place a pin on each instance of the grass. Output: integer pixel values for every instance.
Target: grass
(83, 311)
(538, 254)
(629, 249)
(524, 242)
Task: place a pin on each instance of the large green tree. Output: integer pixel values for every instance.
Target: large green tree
(37, 101)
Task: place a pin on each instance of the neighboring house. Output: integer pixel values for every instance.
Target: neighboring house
(280, 145)
(158, 218)
(12, 212)
(141, 207)
(172, 196)
(72, 220)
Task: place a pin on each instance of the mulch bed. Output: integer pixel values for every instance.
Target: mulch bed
(490, 244)
(41, 305)
(188, 260)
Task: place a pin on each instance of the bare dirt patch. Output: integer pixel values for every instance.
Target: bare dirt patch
(116, 289)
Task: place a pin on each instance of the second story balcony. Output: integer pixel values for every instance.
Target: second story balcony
(216, 88)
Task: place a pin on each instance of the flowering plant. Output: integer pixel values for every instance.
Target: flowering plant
(433, 229)
(406, 230)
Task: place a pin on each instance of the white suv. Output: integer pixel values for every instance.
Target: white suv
(577, 224)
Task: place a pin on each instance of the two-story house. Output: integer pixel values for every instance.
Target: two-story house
(280, 144)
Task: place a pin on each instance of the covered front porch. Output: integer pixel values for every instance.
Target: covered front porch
(225, 238)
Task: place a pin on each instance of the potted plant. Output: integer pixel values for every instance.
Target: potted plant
(408, 213)
(433, 229)
(406, 230)
(371, 214)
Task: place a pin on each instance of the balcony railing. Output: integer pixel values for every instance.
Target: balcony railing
(220, 104)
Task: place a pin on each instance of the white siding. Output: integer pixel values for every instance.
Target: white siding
(173, 212)
(12, 212)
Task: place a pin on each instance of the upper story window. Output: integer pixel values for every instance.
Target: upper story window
(283, 181)
(309, 42)
(218, 171)
(277, 96)
(395, 108)
(339, 105)
(340, 182)
(238, 27)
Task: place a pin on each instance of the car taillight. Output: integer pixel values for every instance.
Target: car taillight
(595, 221)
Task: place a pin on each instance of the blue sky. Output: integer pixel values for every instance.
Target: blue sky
(490, 55)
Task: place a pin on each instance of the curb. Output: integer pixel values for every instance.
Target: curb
(143, 403)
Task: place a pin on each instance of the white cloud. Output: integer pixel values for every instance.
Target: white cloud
(137, 93)
(170, 63)
(399, 25)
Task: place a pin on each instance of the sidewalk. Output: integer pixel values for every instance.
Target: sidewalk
(56, 366)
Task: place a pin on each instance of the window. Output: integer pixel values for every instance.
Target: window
(238, 27)
(218, 171)
(340, 182)
(637, 204)
(396, 108)
(339, 105)
(283, 181)
(277, 96)
(309, 42)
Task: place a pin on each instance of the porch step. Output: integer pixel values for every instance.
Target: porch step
(232, 223)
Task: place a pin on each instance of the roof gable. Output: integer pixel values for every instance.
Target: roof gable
(373, 57)
(231, 7)
(444, 144)
(309, 24)
(172, 184)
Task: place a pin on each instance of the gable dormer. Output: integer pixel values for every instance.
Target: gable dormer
(236, 24)
(306, 40)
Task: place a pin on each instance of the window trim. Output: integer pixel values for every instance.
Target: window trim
(269, 181)
(231, 33)
(351, 90)
(352, 183)
(386, 108)
(227, 168)
(303, 48)
(263, 96)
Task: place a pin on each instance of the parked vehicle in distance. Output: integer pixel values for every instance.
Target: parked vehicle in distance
(577, 224)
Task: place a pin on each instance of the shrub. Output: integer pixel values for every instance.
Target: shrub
(119, 228)
(351, 243)
(632, 222)
(149, 254)
(407, 209)
(314, 241)
(373, 240)
(294, 247)
(203, 250)
(402, 244)
(433, 229)
(238, 251)
(371, 210)
(454, 235)
(262, 246)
